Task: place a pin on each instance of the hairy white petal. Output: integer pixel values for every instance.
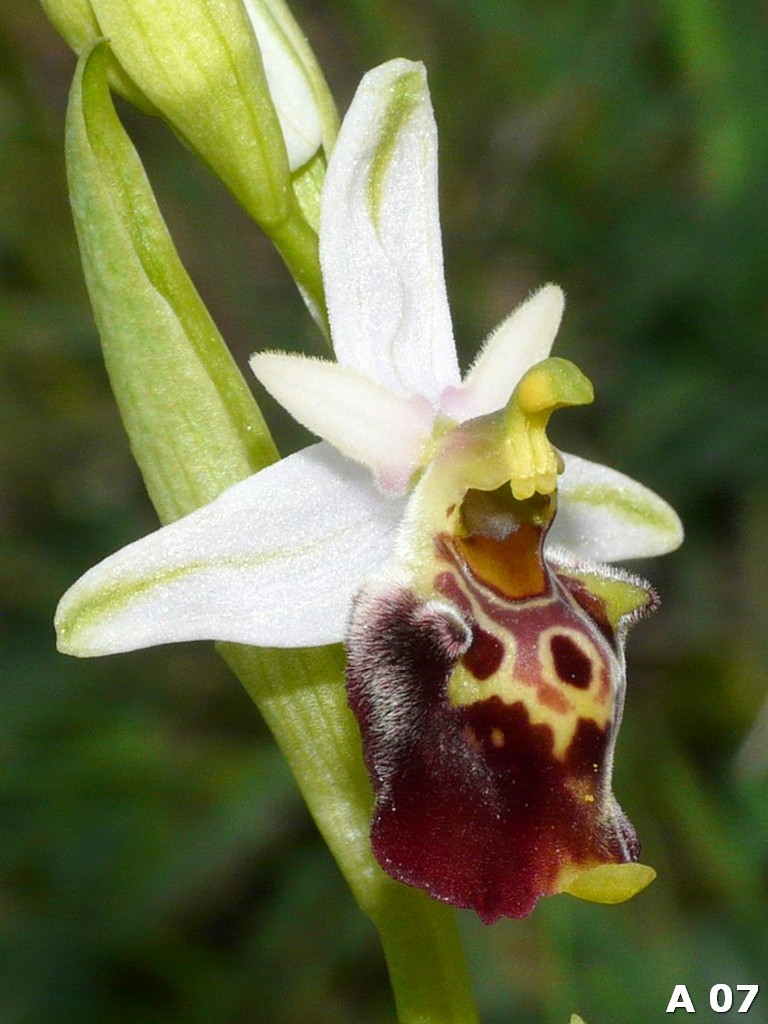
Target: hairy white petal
(274, 561)
(289, 84)
(607, 516)
(380, 244)
(517, 344)
(366, 421)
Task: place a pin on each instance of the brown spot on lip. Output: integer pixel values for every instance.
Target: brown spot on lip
(571, 663)
(485, 654)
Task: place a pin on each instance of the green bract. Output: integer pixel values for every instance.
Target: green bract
(194, 426)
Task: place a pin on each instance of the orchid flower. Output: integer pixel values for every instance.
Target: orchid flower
(438, 532)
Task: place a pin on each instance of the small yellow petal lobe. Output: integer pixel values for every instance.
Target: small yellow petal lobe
(610, 883)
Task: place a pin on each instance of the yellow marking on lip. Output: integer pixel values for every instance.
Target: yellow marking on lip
(591, 702)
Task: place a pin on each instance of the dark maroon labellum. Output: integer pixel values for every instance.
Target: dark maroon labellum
(488, 721)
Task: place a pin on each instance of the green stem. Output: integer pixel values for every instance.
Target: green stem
(297, 243)
(301, 697)
(425, 959)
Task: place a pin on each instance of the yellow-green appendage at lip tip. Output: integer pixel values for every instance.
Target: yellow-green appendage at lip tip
(610, 883)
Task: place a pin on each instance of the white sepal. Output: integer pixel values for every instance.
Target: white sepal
(274, 561)
(517, 344)
(606, 516)
(367, 422)
(380, 244)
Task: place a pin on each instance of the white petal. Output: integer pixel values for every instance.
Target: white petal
(289, 84)
(274, 561)
(369, 423)
(380, 244)
(517, 344)
(607, 516)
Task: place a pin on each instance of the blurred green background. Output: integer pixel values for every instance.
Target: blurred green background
(156, 863)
